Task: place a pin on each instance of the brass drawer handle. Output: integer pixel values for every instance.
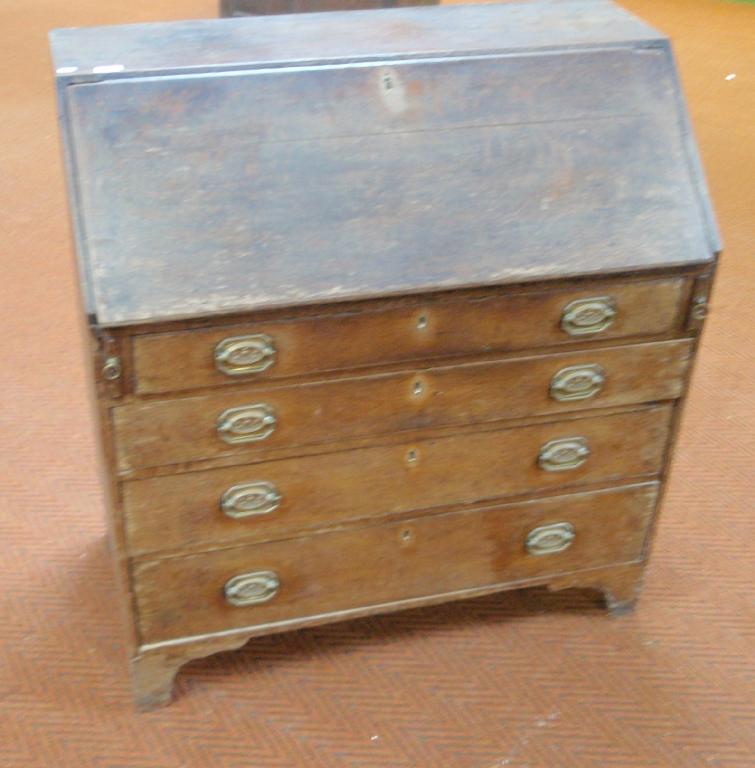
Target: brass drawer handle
(250, 500)
(577, 382)
(246, 424)
(549, 539)
(251, 588)
(560, 455)
(587, 316)
(242, 355)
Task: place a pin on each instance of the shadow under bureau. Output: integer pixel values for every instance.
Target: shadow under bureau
(386, 308)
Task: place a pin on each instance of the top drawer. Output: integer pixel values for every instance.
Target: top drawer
(436, 326)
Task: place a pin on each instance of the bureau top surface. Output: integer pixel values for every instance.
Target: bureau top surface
(239, 164)
(351, 35)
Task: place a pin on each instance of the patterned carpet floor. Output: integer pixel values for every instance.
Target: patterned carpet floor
(520, 679)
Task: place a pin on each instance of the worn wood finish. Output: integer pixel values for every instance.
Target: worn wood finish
(154, 668)
(436, 327)
(265, 7)
(357, 443)
(413, 200)
(179, 430)
(329, 572)
(345, 230)
(620, 586)
(386, 176)
(412, 32)
(182, 511)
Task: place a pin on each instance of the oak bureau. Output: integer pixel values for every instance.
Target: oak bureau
(387, 308)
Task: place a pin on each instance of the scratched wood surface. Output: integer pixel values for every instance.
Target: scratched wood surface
(171, 431)
(417, 32)
(184, 511)
(183, 596)
(223, 191)
(416, 328)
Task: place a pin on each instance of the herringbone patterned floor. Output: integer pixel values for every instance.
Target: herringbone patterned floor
(527, 679)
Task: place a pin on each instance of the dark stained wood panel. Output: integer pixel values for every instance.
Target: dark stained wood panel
(216, 192)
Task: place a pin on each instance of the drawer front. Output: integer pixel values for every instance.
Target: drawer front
(326, 573)
(437, 327)
(249, 422)
(262, 501)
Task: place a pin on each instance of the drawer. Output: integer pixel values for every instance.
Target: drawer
(328, 573)
(250, 422)
(262, 501)
(436, 327)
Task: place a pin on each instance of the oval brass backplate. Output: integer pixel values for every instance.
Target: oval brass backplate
(549, 539)
(111, 370)
(250, 500)
(246, 424)
(251, 588)
(566, 453)
(245, 355)
(584, 317)
(577, 382)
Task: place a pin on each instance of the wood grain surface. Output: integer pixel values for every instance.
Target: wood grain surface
(437, 326)
(184, 510)
(177, 430)
(330, 572)
(201, 191)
